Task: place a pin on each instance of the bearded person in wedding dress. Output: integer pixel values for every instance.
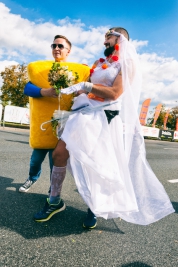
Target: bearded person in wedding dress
(102, 143)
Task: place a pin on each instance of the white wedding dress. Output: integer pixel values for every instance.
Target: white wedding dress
(107, 184)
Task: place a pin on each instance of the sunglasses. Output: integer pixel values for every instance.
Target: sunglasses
(111, 32)
(60, 46)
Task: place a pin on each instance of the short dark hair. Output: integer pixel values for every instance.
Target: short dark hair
(122, 31)
(63, 37)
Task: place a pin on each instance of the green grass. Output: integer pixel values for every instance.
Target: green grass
(14, 125)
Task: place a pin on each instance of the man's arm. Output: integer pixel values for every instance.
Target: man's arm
(109, 92)
(35, 91)
(32, 90)
(105, 92)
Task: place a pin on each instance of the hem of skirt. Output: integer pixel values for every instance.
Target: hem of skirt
(158, 217)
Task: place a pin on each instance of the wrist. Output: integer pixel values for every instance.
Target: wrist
(40, 92)
(44, 92)
(88, 86)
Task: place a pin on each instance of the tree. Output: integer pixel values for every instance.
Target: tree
(160, 120)
(14, 78)
(174, 114)
(171, 122)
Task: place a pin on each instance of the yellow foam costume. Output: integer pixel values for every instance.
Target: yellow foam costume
(42, 108)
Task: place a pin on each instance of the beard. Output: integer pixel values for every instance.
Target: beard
(108, 51)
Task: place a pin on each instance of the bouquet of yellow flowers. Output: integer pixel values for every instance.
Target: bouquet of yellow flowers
(60, 77)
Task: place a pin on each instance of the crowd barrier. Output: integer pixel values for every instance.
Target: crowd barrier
(15, 114)
(159, 133)
(150, 131)
(1, 108)
(20, 115)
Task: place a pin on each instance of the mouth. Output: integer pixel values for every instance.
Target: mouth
(57, 54)
(107, 45)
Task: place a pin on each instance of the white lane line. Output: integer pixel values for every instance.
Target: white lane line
(173, 181)
(170, 148)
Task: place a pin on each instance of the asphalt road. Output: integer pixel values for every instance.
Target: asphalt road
(62, 241)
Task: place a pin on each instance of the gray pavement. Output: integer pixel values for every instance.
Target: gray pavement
(62, 241)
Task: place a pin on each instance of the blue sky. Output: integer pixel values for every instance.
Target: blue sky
(28, 27)
(152, 20)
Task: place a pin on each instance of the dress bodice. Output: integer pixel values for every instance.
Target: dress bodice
(106, 76)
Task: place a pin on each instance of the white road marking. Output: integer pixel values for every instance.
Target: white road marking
(173, 181)
(170, 148)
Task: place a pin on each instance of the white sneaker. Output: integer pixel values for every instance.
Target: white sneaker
(26, 186)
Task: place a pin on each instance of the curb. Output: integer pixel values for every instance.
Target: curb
(10, 129)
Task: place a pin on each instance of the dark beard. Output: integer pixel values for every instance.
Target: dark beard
(108, 51)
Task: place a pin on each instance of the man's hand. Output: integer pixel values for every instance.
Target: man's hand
(78, 88)
(73, 88)
(51, 92)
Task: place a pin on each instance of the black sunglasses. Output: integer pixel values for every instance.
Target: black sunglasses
(60, 46)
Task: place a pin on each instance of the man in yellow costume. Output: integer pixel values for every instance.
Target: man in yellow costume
(43, 102)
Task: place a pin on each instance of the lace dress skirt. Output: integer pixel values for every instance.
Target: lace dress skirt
(110, 186)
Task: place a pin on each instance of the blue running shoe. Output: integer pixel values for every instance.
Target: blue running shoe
(49, 210)
(90, 220)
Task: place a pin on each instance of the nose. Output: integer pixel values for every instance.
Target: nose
(56, 48)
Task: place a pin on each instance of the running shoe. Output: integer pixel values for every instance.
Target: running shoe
(90, 221)
(49, 210)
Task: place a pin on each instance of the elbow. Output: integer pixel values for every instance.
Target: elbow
(26, 89)
(25, 92)
(115, 97)
(116, 94)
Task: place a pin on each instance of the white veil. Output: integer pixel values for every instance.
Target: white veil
(152, 200)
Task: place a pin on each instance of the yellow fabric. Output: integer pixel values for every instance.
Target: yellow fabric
(42, 108)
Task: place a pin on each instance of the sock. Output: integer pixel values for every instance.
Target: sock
(57, 178)
(54, 200)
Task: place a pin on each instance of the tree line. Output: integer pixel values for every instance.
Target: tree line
(15, 78)
(171, 121)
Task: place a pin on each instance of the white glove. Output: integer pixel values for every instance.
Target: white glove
(77, 87)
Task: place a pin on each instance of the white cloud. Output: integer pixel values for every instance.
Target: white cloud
(22, 38)
(139, 44)
(7, 63)
(23, 41)
(160, 79)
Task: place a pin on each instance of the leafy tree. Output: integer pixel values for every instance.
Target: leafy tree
(14, 80)
(160, 120)
(173, 116)
(171, 122)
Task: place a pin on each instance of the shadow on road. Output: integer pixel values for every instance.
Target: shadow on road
(175, 206)
(136, 264)
(18, 133)
(18, 209)
(15, 141)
